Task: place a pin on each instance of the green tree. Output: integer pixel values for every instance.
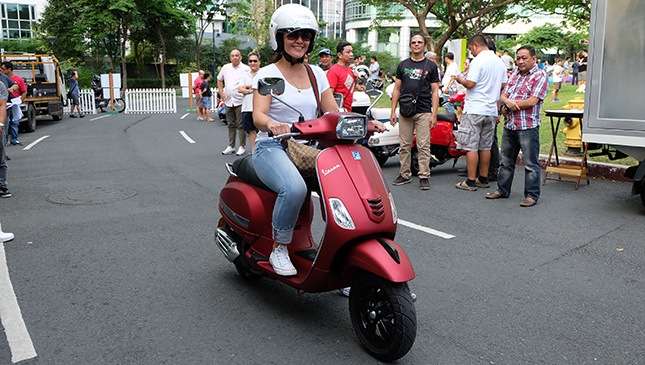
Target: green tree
(58, 29)
(205, 12)
(457, 16)
(251, 17)
(163, 22)
(544, 37)
(577, 12)
(552, 36)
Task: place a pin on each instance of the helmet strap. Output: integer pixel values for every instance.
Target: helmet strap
(291, 59)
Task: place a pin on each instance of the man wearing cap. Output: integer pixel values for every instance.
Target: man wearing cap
(324, 59)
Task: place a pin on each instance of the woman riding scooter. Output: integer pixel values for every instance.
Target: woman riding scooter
(292, 32)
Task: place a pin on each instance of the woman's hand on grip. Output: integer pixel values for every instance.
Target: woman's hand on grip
(277, 128)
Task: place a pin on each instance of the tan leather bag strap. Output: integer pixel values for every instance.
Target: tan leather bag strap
(314, 85)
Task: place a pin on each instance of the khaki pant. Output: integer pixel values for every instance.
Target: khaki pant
(234, 122)
(407, 126)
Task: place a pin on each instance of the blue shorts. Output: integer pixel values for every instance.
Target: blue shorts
(207, 102)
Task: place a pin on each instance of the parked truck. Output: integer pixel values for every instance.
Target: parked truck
(45, 86)
(614, 117)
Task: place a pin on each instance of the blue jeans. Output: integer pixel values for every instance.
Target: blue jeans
(14, 122)
(207, 102)
(528, 141)
(276, 171)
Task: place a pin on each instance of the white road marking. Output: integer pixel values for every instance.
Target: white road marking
(428, 230)
(14, 326)
(97, 118)
(29, 146)
(184, 116)
(186, 137)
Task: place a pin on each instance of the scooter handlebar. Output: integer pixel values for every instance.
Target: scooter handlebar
(280, 137)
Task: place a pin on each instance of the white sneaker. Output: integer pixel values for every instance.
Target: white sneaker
(344, 292)
(240, 151)
(228, 150)
(280, 261)
(5, 236)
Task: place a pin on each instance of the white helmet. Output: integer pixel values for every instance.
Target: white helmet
(290, 18)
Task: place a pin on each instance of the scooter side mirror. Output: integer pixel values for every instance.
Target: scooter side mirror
(271, 86)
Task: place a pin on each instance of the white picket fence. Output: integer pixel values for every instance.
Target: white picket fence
(145, 101)
(86, 102)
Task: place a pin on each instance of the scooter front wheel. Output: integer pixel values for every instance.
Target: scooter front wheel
(383, 317)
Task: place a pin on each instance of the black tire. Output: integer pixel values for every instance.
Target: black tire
(643, 191)
(241, 264)
(30, 126)
(119, 105)
(414, 161)
(381, 155)
(244, 269)
(56, 117)
(383, 317)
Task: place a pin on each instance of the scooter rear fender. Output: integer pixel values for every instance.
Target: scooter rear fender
(381, 257)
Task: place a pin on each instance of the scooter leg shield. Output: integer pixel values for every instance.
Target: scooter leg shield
(381, 257)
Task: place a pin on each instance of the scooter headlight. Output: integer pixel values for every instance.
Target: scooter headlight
(395, 216)
(340, 213)
(351, 126)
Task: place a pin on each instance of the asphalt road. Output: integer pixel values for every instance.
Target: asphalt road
(114, 263)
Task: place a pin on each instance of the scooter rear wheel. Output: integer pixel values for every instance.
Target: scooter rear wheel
(244, 270)
(383, 317)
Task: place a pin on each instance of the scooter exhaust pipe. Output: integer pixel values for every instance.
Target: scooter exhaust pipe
(226, 244)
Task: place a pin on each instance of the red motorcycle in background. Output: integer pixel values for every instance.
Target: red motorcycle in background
(358, 248)
(443, 146)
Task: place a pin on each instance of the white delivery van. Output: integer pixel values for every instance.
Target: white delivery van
(615, 92)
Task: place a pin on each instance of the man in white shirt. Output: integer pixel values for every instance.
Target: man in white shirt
(375, 68)
(484, 83)
(557, 73)
(508, 60)
(451, 70)
(229, 79)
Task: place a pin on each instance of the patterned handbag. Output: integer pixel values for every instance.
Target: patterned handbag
(302, 155)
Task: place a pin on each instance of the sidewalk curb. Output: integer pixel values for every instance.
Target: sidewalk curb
(596, 169)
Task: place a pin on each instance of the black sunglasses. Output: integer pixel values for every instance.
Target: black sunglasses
(305, 34)
(253, 61)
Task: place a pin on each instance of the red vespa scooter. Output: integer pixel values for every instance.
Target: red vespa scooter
(443, 144)
(358, 247)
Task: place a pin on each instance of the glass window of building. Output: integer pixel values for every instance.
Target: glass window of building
(361, 36)
(388, 40)
(17, 21)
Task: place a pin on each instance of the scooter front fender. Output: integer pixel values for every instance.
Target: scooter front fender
(381, 257)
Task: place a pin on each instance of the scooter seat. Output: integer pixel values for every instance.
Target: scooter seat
(448, 117)
(245, 170)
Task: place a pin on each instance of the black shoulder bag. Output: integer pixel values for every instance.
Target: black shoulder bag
(408, 101)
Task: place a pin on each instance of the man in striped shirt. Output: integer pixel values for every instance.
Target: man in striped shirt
(521, 103)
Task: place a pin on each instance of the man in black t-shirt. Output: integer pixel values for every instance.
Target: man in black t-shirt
(418, 77)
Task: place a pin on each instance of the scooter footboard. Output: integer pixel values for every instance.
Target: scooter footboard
(381, 257)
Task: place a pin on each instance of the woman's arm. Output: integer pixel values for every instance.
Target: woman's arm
(327, 102)
(261, 119)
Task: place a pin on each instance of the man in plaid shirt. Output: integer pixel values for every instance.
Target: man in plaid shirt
(521, 103)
